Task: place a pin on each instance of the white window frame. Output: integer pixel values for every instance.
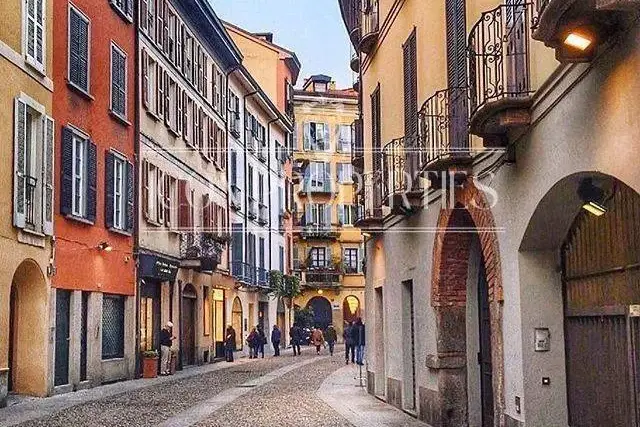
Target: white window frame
(123, 12)
(341, 146)
(32, 60)
(317, 175)
(122, 115)
(86, 19)
(119, 192)
(79, 177)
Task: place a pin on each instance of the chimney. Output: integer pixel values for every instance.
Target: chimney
(265, 36)
(332, 85)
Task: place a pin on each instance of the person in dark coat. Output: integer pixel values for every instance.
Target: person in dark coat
(261, 340)
(331, 337)
(358, 337)
(276, 337)
(348, 343)
(296, 336)
(230, 343)
(252, 342)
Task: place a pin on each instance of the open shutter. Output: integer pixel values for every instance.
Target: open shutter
(47, 176)
(184, 208)
(341, 214)
(307, 137)
(166, 99)
(160, 91)
(66, 170)
(185, 116)
(179, 118)
(92, 177)
(306, 184)
(144, 11)
(327, 138)
(328, 256)
(145, 189)
(19, 166)
(130, 218)
(360, 259)
(108, 189)
(145, 79)
(160, 196)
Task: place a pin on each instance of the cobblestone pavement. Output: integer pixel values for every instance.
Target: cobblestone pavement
(268, 404)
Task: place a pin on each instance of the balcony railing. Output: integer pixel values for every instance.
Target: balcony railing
(310, 187)
(320, 278)
(263, 214)
(319, 231)
(252, 208)
(368, 198)
(499, 68)
(370, 26)
(351, 15)
(402, 158)
(354, 64)
(234, 124)
(443, 127)
(251, 141)
(249, 275)
(200, 250)
(235, 199)
(30, 184)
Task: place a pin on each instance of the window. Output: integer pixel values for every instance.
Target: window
(118, 193)
(79, 175)
(351, 260)
(33, 167)
(318, 175)
(234, 113)
(146, 324)
(318, 257)
(112, 326)
(316, 137)
(344, 138)
(35, 33)
(345, 173)
(78, 192)
(78, 49)
(250, 182)
(261, 188)
(347, 214)
(206, 312)
(125, 7)
(318, 214)
(118, 82)
(319, 87)
(234, 168)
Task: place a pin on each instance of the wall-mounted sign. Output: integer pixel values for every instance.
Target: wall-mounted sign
(158, 268)
(542, 338)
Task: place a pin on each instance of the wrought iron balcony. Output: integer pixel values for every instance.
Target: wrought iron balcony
(311, 186)
(30, 184)
(200, 250)
(234, 124)
(402, 185)
(370, 26)
(248, 275)
(252, 208)
(357, 149)
(444, 134)
(319, 232)
(499, 72)
(250, 140)
(322, 278)
(368, 198)
(351, 15)
(235, 198)
(263, 214)
(354, 64)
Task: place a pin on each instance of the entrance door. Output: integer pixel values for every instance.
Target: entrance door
(484, 356)
(408, 342)
(602, 335)
(322, 315)
(63, 300)
(236, 322)
(189, 299)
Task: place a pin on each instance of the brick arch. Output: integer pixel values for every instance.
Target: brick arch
(470, 216)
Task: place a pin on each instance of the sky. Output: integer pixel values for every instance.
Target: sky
(313, 29)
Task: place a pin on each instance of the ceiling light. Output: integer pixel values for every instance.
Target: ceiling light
(578, 40)
(594, 208)
(593, 197)
(320, 291)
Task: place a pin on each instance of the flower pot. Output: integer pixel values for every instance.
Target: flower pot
(149, 367)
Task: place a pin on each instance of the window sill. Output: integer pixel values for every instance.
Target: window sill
(77, 89)
(205, 157)
(118, 118)
(153, 115)
(153, 223)
(120, 231)
(38, 68)
(33, 232)
(173, 132)
(79, 219)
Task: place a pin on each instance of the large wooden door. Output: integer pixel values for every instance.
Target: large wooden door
(63, 300)
(188, 326)
(601, 279)
(484, 357)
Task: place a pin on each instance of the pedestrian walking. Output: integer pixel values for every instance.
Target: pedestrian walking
(276, 336)
(348, 343)
(261, 340)
(230, 343)
(331, 337)
(296, 335)
(317, 338)
(166, 341)
(358, 336)
(252, 342)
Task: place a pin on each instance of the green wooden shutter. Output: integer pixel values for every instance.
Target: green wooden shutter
(130, 194)
(66, 172)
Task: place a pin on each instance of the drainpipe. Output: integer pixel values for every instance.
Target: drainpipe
(136, 207)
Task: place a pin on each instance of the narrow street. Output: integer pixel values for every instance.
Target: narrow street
(272, 391)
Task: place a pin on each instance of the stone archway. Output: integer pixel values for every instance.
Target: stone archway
(351, 310)
(457, 227)
(28, 320)
(236, 321)
(322, 312)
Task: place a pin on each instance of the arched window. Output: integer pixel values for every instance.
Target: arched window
(351, 308)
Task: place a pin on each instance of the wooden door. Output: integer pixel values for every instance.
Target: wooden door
(484, 356)
(188, 328)
(63, 300)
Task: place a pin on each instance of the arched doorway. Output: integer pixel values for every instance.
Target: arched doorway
(351, 309)
(28, 331)
(322, 315)
(188, 327)
(236, 321)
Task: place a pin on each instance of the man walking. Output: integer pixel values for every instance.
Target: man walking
(261, 341)
(276, 336)
(296, 336)
(359, 341)
(166, 341)
(230, 343)
(347, 335)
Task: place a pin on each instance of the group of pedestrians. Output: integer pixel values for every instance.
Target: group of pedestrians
(354, 341)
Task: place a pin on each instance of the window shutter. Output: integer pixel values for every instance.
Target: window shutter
(234, 177)
(35, 30)
(74, 47)
(179, 109)
(165, 27)
(160, 91)
(144, 12)
(327, 137)
(329, 256)
(83, 54)
(122, 83)
(360, 259)
(223, 149)
(130, 218)
(31, 29)
(145, 79)
(167, 98)
(206, 212)
(185, 116)
(327, 216)
(66, 170)
(295, 257)
(109, 188)
(160, 196)
(184, 208)
(19, 167)
(47, 175)
(341, 214)
(92, 175)
(145, 189)
(307, 137)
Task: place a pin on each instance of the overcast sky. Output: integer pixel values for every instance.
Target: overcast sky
(311, 28)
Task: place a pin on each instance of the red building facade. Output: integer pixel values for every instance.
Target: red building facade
(94, 111)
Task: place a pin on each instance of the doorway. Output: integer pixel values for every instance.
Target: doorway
(189, 305)
(484, 355)
(409, 346)
(380, 359)
(63, 305)
(236, 322)
(322, 314)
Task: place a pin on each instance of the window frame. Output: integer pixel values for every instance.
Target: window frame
(119, 354)
(127, 16)
(121, 162)
(118, 49)
(79, 195)
(32, 60)
(87, 20)
(315, 257)
(347, 258)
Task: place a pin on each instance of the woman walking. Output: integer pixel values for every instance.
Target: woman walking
(331, 336)
(252, 342)
(317, 338)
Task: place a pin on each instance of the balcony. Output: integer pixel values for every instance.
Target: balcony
(252, 208)
(370, 25)
(444, 135)
(250, 140)
(499, 73)
(234, 124)
(319, 232)
(321, 278)
(200, 250)
(30, 184)
(561, 23)
(263, 214)
(357, 147)
(368, 198)
(351, 15)
(311, 186)
(250, 276)
(402, 186)
(262, 151)
(235, 198)
(354, 64)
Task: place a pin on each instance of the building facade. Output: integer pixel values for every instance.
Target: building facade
(26, 117)
(499, 193)
(328, 250)
(185, 57)
(94, 110)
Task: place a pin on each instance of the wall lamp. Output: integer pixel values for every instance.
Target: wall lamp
(579, 44)
(104, 246)
(593, 197)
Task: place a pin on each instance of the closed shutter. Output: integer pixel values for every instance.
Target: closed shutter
(165, 27)
(66, 171)
(223, 149)
(375, 130)
(167, 99)
(410, 87)
(144, 12)
(109, 188)
(47, 175)
(78, 50)
(160, 91)
(307, 137)
(328, 257)
(160, 196)
(234, 170)
(295, 257)
(185, 116)
(456, 43)
(145, 79)
(168, 220)
(184, 207)
(145, 189)
(130, 191)
(19, 166)
(118, 82)
(92, 176)
(206, 212)
(35, 31)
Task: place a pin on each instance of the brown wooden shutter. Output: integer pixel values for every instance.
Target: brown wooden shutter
(167, 200)
(184, 205)
(145, 189)
(206, 212)
(160, 91)
(145, 79)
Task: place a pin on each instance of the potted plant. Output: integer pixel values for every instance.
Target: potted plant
(149, 364)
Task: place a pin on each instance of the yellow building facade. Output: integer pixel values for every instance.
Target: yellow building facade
(26, 223)
(328, 252)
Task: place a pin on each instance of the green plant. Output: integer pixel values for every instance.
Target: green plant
(304, 317)
(285, 287)
(150, 354)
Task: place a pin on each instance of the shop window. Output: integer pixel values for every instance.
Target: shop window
(112, 327)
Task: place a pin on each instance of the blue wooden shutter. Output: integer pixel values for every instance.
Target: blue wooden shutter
(66, 172)
(108, 188)
(130, 191)
(92, 175)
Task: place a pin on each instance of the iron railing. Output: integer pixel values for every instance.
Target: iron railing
(309, 187)
(319, 231)
(499, 50)
(368, 197)
(401, 162)
(252, 208)
(370, 23)
(250, 275)
(443, 125)
(198, 245)
(263, 214)
(30, 184)
(322, 278)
